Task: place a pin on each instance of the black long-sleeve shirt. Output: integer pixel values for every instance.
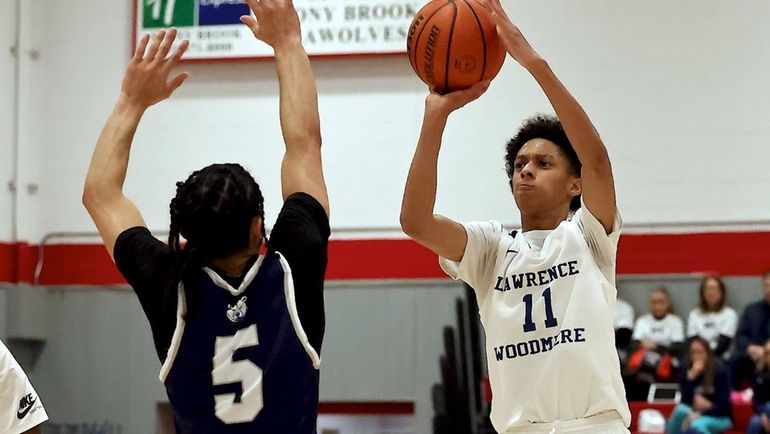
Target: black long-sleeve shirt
(720, 397)
(753, 327)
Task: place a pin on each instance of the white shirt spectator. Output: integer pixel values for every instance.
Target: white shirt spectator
(710, 325)
(665, 331)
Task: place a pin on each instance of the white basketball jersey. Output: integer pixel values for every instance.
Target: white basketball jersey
(20, 407)
(664, 331)
(547, 303)
(709, 325)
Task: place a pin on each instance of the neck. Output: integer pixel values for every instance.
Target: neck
(234, 265)
(544, 221)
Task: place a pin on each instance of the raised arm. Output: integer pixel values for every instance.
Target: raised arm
(145, 83)
(597, 182)
(277, 25)
(443, 236)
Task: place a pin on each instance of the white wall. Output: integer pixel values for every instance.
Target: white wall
(7, 110)
(679, 90)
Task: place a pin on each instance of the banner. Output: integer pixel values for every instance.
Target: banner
(329, 27)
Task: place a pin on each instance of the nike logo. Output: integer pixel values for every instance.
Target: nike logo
(22, 413)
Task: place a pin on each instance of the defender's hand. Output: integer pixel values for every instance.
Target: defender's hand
(276, 22)
(146, 81)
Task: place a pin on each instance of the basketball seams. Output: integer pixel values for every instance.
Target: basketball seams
(473, 56)
(447, 61)
(416, 44)
(483, 40)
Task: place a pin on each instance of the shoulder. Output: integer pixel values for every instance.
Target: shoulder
(302, 211)
(137, 237)
(754, 308)
(305, 204)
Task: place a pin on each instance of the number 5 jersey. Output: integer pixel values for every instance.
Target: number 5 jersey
(242, 356)
(547, 302)
(244, 365)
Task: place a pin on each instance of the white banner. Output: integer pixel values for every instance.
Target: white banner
(329, 27)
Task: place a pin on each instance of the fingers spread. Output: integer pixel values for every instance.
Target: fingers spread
(177, 81)
(155, 45)
(140, 48)
(178, 53)
(254, 5)
(165, 46)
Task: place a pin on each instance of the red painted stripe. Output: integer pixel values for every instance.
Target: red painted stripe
(724, 253)
(366, 408)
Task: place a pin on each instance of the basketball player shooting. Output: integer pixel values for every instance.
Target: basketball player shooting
(545, 293)
(238, 333)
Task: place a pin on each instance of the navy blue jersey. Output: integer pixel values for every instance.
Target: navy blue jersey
(243, 364)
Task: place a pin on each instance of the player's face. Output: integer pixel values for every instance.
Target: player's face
(542, 177)
(658, 305)
(712, 293)
(698, 354)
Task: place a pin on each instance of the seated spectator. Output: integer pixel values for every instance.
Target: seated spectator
(753, 331)
(624, 326)
(657, 343)
(760, 422)
(712, 319)
(705, 387)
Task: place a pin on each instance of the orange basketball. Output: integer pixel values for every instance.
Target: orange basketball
(453, 44)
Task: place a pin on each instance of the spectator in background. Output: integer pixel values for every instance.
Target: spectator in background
(660, 329)
(624, 326)
(760, 422)
(705, 386)
(753, 332)
(712, 319)
(658, 339)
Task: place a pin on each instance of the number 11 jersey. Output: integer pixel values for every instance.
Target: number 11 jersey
(243, 364)
(546, 301)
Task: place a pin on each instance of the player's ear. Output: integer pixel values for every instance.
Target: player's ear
(575, 187)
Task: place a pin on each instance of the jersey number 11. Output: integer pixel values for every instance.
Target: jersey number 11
(550, 320)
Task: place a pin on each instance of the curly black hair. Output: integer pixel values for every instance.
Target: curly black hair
(548, 127)
(213, 210)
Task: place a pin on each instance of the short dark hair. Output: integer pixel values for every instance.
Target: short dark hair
(704, 307)
(213, 210)
(548, 127)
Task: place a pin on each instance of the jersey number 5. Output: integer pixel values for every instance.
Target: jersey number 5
(245, 372)
(550, 320)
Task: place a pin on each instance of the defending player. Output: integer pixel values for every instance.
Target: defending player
(238, 333)
(545, 293)
(20, 408)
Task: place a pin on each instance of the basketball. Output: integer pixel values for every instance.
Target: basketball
(453, 44)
